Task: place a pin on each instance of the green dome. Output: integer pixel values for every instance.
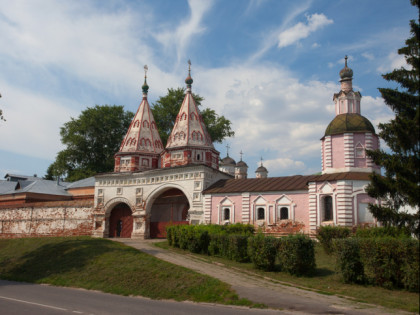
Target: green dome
(349, 123)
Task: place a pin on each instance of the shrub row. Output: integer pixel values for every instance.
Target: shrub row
(293, 254)
(385, 261)
(326, 234)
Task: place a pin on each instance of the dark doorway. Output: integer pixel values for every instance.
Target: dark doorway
(121, 221)
(171, 207)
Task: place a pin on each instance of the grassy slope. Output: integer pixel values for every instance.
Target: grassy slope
(327, 281)
(107, 266)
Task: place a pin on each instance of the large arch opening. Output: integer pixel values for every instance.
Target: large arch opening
(170, 207)
(121, 221)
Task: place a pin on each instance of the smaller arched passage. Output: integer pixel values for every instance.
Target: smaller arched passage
(121, 221)
(170, 207)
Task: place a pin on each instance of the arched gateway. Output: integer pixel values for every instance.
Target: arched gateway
(121, 221)
(170, 207)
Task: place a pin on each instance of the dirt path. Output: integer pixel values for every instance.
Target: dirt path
(263, 290)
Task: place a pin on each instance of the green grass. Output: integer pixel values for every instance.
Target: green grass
(326, 281)
(99, 264)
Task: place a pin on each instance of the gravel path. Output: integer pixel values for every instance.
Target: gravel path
(263, 290)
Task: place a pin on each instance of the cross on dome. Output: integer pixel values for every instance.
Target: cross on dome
(189, 80)
(227, 149)
(145, 87)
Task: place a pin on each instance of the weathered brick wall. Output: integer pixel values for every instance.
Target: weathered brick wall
(61, 218)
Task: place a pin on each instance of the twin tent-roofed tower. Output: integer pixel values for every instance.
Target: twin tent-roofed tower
(187, 183)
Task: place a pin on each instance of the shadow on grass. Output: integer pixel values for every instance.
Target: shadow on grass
(57, 258)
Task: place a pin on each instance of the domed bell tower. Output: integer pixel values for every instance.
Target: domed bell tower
(349, 134)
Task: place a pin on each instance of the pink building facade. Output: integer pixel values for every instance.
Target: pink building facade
(303, 203)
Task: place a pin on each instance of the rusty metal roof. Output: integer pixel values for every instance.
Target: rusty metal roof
(287, 183)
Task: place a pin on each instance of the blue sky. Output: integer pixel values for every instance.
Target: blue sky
(270, 66)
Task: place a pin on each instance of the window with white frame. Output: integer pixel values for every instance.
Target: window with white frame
(226, 213)
(359, 151)
(327, 209)
(284, 213)
(260, 213)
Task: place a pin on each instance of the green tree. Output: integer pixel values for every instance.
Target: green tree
(400, 186)
(166, 108)
(91, 141)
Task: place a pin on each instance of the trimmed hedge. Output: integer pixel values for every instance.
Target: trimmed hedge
(262, 251)
(348, 260)
(391, 231)
(387, 262)
(296, 255)
(326, 234)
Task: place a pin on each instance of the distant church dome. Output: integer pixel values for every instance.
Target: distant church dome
(349, 123)
(346, 72)
(261, 169)
(241, 164)
(228, 161)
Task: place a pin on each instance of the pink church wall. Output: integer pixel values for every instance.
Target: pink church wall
(337, 143)
(300, 200)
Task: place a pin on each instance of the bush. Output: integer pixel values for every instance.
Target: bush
(348, 260)
(326, 234)
(390, 262)
(296, 255)
(238, 248)
(391, 231)
(262, 251)
(219, 245)
(198, 239)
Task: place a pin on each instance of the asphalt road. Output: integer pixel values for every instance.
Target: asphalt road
(24, 298)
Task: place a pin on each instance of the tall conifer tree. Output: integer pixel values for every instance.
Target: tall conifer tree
(400, 185)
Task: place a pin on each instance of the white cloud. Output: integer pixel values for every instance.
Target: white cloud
(394, 61)
(33, 122)
(180, 38)
(281, 165)
(368, 56)
(300, 30)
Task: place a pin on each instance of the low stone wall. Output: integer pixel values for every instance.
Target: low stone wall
(60, 218)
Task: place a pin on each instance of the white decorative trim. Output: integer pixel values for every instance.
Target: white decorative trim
(348, 150)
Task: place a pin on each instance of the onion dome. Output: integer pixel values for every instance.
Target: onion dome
(346, 72)
(189, 80)
(228, 161)
(261, 169)
(345, 123)
(145, 87)
(241, 164)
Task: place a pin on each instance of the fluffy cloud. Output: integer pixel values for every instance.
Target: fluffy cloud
(301, 30)
(282, 165)
(394, 61)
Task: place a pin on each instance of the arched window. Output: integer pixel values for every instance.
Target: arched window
(145, 124)
(136, 123)
(142, 142)
(153, 125)
(194, 135)
(148, 143)
(284, 213)
(226, 214)
(260, 213)
(327, 213)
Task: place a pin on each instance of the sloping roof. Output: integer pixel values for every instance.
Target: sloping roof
(142, 135)
(87, 182)
(287, 183)
(189, 129)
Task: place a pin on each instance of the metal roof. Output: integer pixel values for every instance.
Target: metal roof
(287, 183)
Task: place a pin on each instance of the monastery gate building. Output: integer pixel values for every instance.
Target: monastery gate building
(187, 183)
